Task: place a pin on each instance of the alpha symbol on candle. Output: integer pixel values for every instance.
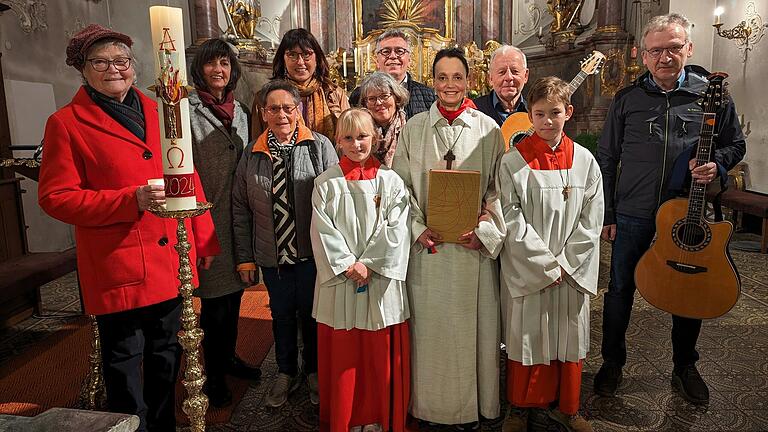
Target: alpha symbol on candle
(167, 40)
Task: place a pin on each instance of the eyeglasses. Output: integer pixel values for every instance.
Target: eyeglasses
(102, 64)
(371, 100)
(398, 52)
(673, 50)
(294, 56)
(275, 109)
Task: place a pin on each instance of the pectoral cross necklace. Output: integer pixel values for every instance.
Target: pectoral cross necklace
(565, 180)
(449, 155)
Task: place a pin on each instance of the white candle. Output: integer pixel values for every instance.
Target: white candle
(540, 31)
(718, 11)
(167, 27)
(344, 63)
(357, 66)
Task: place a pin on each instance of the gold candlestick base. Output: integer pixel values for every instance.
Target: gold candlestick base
(196, 403)
(93, 395)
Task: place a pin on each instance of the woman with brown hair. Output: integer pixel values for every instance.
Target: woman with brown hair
(300, 60)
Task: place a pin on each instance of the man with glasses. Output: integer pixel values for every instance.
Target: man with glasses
(508, 73)
(393, 56)
(651, 125)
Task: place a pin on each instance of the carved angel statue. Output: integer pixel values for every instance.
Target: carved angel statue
(245, 15)
(565, 14)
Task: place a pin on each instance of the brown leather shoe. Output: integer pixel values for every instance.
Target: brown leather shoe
(573, 423)
(515, 421)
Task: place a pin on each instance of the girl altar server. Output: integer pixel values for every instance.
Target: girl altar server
(552, 196)
(360, 238)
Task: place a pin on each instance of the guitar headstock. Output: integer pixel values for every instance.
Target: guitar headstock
(592, 63)
(716, 93)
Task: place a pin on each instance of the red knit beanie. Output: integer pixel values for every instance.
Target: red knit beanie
(85, 38)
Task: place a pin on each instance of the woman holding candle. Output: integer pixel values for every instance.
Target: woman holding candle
(300, 60)
(100, 150)
(385, 98)
(271, 206)
(361, 236)
(219, 126)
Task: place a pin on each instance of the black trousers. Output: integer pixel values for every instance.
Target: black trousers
(218, 319)
(291, 289)
(137, 340)
(633, 238)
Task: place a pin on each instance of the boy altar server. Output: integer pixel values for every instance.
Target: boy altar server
(360, 238)
(552, 196)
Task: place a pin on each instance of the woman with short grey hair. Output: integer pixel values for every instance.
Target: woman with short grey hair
(385, 98)
(272, 209)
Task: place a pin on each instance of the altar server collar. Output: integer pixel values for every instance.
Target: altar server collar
(452, 115)
(354, 171)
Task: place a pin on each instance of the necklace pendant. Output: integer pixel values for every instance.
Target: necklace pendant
(566, 191)
(377, 200)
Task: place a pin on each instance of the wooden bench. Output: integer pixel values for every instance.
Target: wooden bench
(752, 203)
(21, 278)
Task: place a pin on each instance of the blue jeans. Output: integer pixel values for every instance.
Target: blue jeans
(291, 289)
(633, 238)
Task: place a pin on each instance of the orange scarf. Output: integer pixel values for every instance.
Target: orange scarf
(318, 115)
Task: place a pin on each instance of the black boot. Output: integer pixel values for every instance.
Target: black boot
(608, 379)
(688, 382)
(217, 391)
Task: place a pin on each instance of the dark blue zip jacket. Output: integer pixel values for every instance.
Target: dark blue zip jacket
(646, 129)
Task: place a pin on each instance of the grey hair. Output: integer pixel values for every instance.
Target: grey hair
(274, 85)
(662, 22)
(106, 42)
(389, 34)
(383, 82)
(505, 49)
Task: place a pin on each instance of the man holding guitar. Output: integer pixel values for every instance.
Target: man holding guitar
(649, 124)
(507, 73)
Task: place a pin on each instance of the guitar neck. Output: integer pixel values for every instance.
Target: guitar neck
(576, 81)
(697, 196)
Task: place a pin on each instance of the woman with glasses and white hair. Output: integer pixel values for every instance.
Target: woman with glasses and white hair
(300, 60)
(385, 99)
(100, 150)
(272, 209)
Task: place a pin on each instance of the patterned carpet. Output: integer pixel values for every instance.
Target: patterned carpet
(734, 362)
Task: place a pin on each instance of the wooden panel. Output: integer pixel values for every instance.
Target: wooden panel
(11, 221)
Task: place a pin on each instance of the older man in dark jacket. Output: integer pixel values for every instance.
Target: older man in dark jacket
(393, 56)
(649, 125)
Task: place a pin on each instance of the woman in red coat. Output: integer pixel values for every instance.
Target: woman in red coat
(99, 152)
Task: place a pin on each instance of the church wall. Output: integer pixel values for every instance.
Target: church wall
(747, 87)
(38, 81)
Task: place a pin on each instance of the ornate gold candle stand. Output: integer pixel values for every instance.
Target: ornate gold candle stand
(190, 336)
(93, 395)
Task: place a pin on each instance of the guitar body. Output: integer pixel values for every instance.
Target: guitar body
(687, 270)
(516, 124)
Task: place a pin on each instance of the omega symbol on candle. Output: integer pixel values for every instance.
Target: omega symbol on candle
(179, 158)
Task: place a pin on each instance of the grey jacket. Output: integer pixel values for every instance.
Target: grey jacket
(646, 130)
(216, 152)
(253, 215)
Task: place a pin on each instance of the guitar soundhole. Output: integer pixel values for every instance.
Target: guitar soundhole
(690, 236)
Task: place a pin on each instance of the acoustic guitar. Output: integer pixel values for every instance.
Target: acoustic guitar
(518, 124)
(687, 271)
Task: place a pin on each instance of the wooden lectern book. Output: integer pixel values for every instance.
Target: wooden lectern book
(453, 204)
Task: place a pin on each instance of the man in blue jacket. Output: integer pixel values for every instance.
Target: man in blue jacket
(649, 124)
